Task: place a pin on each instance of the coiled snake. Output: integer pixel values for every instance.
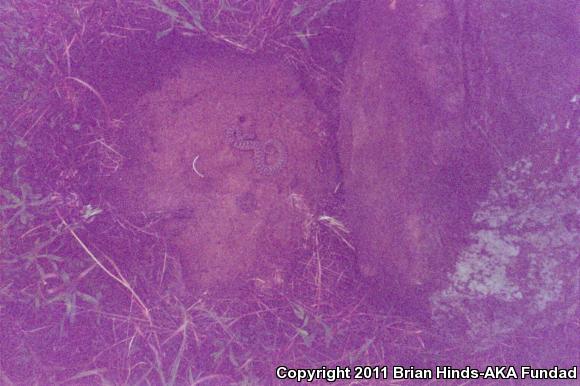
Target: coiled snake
(245, 141)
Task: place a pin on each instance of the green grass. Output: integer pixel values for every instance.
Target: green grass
(75, 301)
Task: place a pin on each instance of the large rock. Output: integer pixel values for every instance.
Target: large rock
(517, 277)
(410, 179)
(441, 96)
(520, 267)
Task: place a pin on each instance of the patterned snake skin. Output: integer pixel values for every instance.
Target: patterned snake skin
(244, 141)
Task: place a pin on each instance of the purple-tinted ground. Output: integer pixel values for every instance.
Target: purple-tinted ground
(459, 141)
(426, 216)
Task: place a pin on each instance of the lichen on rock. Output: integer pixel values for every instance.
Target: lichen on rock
(520, 271)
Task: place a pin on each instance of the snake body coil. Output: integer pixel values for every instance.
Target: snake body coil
(243, 141)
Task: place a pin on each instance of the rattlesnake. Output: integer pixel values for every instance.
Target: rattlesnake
(244, 141)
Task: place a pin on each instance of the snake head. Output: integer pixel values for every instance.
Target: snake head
(235, 134)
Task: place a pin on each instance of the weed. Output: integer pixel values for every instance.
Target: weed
(80, 315)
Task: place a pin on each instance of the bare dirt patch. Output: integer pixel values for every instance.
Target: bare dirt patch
(224, 217)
